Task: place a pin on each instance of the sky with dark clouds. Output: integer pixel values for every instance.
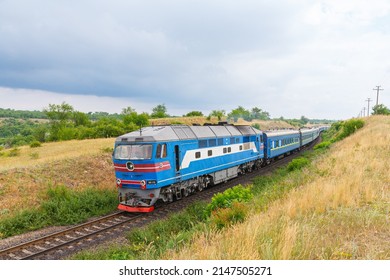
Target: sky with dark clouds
(320, 59)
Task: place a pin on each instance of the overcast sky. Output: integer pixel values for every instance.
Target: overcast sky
(320, 59)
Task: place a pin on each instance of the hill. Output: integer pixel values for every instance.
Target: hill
(26, 177)
(337, 208)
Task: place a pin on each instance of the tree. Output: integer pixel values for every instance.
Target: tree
(259, 114)
(80, 118)
(217, 113)
(60, 116)
(160, 111)
(194, 114)
(304, 120)
(62, 112)
(240, 112)
(128, 110)
(380, 109)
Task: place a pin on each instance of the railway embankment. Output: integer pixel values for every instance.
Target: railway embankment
(332, 203)
(336, 207)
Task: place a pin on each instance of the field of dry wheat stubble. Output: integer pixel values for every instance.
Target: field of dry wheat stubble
(341, 211)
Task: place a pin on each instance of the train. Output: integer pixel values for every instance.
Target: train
(160, 164)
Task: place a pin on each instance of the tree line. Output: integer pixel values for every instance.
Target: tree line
(59, 122)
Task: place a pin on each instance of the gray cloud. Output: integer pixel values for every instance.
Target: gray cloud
(199, 55)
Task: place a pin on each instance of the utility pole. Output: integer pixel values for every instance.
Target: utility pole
(368, 107)
(364, 111)
(377, 93)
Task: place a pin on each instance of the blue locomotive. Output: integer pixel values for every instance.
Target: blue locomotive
(165, 163)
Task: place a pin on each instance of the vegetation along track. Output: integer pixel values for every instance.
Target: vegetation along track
(64, 243)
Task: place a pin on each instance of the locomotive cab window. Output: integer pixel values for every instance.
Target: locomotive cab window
(133, 152)
(161, 151)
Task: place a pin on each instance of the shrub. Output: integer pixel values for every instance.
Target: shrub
(14, 152)
(349, 127)
(322, 145)
(226, 199)
(297, 163)
(35, 144)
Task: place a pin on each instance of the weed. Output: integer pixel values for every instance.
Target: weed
(225, 217)
(62, 206)
(14, 152)
(34, 155)
(107, 150)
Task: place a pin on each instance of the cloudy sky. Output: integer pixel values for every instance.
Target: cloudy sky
(320, 59)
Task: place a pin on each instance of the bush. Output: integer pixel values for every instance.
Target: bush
(322, 145)
(35, 144)
(349, 127)
(297, 163)
(228, 197)
(14, 152)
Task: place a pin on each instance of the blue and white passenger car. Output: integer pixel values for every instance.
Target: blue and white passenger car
(309, 135)
(280, 142)
(168, 162)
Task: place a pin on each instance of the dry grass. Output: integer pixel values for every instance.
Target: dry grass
(75, 164)
(341, 211)
(30, 157)
(264, 125)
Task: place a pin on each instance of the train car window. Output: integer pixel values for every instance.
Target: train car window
(224, 150)
(210, 153)
(220, 141)
(229, 149)
(202, 143)
(232, 140)
(240, 147)
(197, 155)
(212, 142)
(246, 139)
(161, 151)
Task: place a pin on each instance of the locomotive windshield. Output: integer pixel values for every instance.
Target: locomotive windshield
(133, 152)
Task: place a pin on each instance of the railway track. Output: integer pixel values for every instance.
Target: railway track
(64, 243)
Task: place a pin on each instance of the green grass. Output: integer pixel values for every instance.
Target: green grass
(61, 206)
(152, 241)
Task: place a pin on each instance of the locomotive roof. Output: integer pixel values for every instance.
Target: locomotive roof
(184, 132)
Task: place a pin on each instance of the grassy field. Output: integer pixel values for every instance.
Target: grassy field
(338, 209)
(30, 177)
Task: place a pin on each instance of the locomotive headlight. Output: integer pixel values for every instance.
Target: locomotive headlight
(130, 166)
(143, 184)
(118, 182)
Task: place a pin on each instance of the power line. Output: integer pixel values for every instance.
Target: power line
(377, 93)
(368, 107)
